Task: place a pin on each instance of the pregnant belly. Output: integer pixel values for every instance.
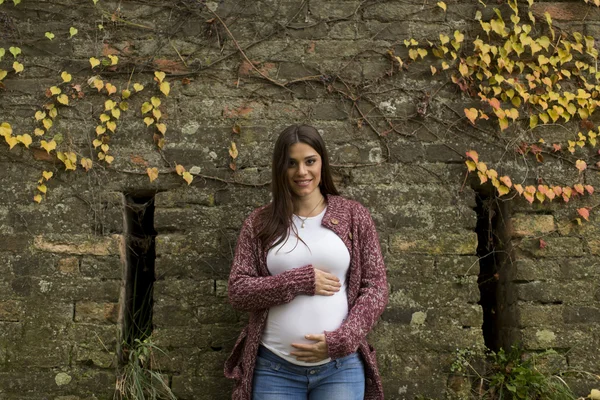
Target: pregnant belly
(289, 323)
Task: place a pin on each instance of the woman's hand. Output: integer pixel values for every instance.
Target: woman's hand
(326, 284)
(311, 352)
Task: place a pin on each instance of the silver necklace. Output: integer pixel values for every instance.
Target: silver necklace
(305, 218)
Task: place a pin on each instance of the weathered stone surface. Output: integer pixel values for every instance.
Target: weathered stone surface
(441, 243)
(78, 244)
(532, 224)
(96, 312)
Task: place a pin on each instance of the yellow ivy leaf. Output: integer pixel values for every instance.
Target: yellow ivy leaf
(165, 87)
(104, 147)
(94, 62)
(188, 177)
(233, 152)
(98, 84)
(38, 132)
(146, 107)
(124, 105)
(125, 93)
(109, 159)
(533, 121)
(422, 53)
(3, 74)
(157, 114)
(159, 75)
(104, 118)
(11, 141)
(18, 67)
(100, 130)
(42, 188)
(138, 87)
(471, 166)
(116, 113)
(148, 121)
(503, 122)
(63, 99)
(580, 165)
(155, 101)
(441, 5)
(37, 198)
(544, 117)
(180, 169)
(73, 31)
(48, 146)
(111, 125)
(55, 90)
(463, 69)
(502, 190)
(39, 115)
(86, 163)
(5, 129)
(113, 59)
(47, 123)
(162, 128)
(66, 77)
(444, 39)
(152, 173)
(109, 105)
(97, 143)
(25, 139)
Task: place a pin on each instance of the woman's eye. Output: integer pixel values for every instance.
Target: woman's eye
(310, 162)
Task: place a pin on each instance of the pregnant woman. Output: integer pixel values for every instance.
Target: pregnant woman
(309, 269)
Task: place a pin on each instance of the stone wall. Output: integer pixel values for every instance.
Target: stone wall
(397, 142)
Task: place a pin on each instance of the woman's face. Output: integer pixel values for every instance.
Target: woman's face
(304, 170)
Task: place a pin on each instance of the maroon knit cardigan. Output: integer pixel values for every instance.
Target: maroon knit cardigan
(253, 289)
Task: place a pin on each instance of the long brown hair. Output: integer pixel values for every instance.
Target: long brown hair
(276, 218)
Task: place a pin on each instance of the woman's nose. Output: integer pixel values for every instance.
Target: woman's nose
(301, 169)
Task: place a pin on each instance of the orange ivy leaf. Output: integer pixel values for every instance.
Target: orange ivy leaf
(581, 165)
(519, 188)
(506, 180)
(180, 169)
(589, 189)
(556, 147)
(543, 244)
(472, 154)
(529, 197)
(584, 212)
(471, 114)
(579, 188)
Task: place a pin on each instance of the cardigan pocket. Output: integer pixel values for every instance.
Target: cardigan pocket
(233, 368)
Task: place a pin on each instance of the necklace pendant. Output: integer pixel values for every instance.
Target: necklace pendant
(302, 226)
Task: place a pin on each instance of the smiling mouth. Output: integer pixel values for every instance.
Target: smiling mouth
(303, 182)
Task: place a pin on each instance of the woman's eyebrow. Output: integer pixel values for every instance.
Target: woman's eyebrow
(306, 158)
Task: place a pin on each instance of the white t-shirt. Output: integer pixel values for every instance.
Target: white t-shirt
(289, 323)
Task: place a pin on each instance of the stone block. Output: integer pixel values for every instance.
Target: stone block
(539, 315)
(393, 11)
(574, 292)
(436, 244)
(200, 243)
(527, 269)
(68, 266)
(110, 267)
(555, 247)
(532, 224)
(579, 268)
(191, 266)
(581, 315)
(93, 312)
(79, 244)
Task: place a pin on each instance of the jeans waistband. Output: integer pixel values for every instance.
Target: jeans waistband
(267, 354)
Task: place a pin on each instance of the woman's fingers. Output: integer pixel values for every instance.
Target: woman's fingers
(326, 284)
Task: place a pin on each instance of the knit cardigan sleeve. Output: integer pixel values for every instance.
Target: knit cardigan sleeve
(249, 291)
(372, 296)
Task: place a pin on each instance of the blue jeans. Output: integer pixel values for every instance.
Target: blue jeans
(278, 379)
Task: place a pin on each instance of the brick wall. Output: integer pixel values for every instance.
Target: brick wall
(63, 261)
